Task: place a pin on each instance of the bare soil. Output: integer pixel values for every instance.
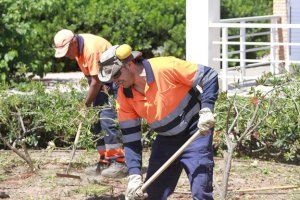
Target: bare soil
(18, 183)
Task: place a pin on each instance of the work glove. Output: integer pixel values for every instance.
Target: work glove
(134, 188)
(206, 119)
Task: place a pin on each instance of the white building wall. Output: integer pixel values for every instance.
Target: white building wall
(199, 37)
(294, 17)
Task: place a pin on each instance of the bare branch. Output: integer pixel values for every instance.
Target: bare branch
(261, 149)
(24, 134)
(228, 114)
(218, 187)
(249, 124)
(19, 153)
(21, 121)
(23, 144)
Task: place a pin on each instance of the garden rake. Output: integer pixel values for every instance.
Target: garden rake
(66, 174)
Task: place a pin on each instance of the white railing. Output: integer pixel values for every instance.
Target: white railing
(245, 40)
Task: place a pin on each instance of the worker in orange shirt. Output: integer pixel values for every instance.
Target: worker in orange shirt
(86, 49)
(176, 98)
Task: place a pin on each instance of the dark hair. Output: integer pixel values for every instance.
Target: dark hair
(138, 61)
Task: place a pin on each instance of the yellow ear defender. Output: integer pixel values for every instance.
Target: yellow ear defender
(123, 51)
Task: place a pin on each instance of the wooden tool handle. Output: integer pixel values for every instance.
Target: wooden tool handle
(74, 146)
(171, 159)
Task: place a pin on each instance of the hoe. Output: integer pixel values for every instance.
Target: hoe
(66, 174)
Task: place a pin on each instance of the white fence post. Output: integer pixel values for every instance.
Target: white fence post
(224, 58)
(273, 65)
(242, 51)
(287, 65)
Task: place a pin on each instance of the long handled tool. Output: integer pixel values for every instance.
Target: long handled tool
(66, 174)
(170, 160)
(175, 155)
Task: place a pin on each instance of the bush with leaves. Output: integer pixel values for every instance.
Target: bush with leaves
(28, 28)
(154, 27)
(54, 116)
(46, 116)
(278, 135)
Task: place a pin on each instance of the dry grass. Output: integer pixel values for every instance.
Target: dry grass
(19, 184)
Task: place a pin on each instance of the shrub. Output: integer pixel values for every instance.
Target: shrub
(278, 136)
(28, 28)
(54, 116)
(47, 116)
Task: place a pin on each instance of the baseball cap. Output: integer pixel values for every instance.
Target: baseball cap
(113, 59)
(62, 40)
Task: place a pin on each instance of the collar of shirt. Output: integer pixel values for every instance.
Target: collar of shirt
(80, 41)
(149, 72)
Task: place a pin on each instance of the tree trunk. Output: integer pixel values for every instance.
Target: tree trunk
(226, 172)
(23, 156)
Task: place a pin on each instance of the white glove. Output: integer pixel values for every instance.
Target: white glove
(134, 192)
(206, 119)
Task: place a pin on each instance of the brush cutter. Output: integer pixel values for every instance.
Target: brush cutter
(66, 174)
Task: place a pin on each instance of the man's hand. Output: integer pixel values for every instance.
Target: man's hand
(134, 192)
(206, 119)
(93, 91)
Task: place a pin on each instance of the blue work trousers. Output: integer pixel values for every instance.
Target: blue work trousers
(196, 160)
(112, 134)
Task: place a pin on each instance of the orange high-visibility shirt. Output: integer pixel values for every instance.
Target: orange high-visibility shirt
(171, 102)
(93, 47)
(163, 95)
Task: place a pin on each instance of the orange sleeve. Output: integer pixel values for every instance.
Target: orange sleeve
(92, 63)
(184, 72)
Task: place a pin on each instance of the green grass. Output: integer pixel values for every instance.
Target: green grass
(93, 190)
(2, 177)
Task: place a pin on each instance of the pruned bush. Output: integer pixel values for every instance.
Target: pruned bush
(278, 135)
(46, 116)
(54, 116)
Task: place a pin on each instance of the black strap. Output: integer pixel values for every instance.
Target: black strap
(127, 92)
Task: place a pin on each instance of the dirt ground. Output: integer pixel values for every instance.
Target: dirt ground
(17, 183)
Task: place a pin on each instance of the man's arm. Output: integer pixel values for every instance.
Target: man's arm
(94, 88)
(130, 124)
(208, 81)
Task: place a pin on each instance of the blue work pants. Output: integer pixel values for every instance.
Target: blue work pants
(196, 160)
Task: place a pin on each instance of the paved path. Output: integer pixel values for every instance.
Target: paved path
(236, 85)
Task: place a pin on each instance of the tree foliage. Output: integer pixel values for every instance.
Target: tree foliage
(245, 8)
(154, 27)
(28, 28)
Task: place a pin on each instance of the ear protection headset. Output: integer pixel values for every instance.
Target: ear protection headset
(123, 51)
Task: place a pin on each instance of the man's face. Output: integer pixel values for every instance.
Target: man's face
(124, 77)
(72, 51)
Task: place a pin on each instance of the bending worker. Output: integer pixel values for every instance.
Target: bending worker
(164, 91)
(87, 50)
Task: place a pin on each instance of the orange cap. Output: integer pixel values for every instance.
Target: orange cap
(62, 41)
